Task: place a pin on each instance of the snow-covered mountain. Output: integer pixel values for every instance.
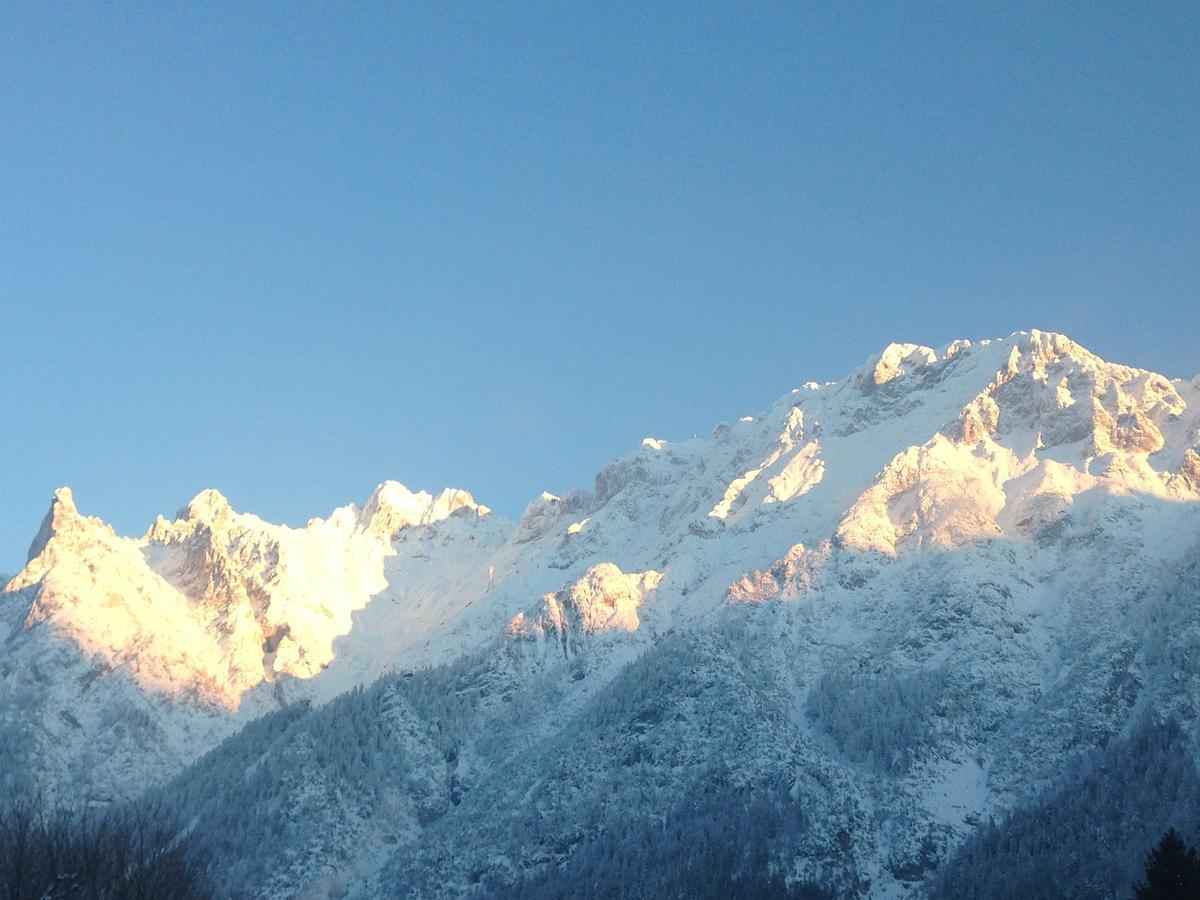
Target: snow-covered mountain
(872, 618)
(136, 655)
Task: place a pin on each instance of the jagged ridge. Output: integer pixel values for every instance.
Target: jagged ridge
(984, 508)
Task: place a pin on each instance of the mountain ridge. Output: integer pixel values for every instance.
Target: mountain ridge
(921, 574)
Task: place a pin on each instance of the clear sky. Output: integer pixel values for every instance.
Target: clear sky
(289, 250)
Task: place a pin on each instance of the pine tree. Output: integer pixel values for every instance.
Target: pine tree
(1172, 871)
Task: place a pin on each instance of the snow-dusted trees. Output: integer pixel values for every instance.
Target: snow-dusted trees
(716, 841)
(125, 854)
(298, 784)
(884, 720)
(1088, 837)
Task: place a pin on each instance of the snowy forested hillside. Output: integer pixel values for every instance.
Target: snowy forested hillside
(896, 636)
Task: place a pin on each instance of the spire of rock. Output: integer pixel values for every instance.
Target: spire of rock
(209, 506)
(62, 516)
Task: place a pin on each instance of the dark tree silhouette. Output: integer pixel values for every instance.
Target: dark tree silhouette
(1172, 871)
(129, 854)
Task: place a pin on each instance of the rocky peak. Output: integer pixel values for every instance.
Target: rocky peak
(209, 507)
(896, 361)
(62, 510)
(393, 506)
(62, 521)
(605, 599)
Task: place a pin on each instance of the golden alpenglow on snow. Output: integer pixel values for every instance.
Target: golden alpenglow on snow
(747, 540)
(914, 591)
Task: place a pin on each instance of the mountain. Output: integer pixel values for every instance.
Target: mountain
(825, 649)
(126, 658)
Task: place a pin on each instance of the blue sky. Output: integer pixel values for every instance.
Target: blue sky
(290, 250)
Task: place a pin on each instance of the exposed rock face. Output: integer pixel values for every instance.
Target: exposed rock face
(899, 361)
(61, 518)
(604, 599)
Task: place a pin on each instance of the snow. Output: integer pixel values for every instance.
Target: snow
(984, 516)
(604, 599)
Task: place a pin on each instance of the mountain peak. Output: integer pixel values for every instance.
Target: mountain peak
(898, 360)
(1032, 352)
(1038, 348)
(393, 506)
(62, 516)
(209, 506)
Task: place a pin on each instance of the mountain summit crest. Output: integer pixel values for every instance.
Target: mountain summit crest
(922, 577)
